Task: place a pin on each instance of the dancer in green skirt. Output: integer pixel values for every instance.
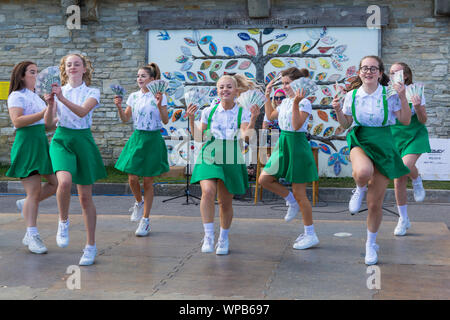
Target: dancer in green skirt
(411, 142)
(373, 154)
(220, 167)
(75, 156)
(145, 153)
(292, 158)
(30, 158)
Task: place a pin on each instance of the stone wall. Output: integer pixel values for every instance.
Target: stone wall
(35, 30)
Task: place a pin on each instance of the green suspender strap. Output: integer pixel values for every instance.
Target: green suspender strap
(214, 110)
(385, 106)
(353, 107)
(211, 115)
(239, 118)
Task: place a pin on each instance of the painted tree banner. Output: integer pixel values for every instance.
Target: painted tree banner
(198, 58)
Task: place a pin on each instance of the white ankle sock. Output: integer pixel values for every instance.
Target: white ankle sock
(89, 247)
(309, 230)
(223, 234)
(403, 211)
(64, 222)
(418, 179)
(209, 229)
(32, 231)
(364, 188)
(290, 198)
(371, 237)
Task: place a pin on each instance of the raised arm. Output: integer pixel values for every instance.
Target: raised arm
(80, 111)
(125, 115)
(404, 114)
(344, 120)
(196, 131)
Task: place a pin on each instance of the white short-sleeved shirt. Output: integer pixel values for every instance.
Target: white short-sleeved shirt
(29, 101)
(78, 96)
(369, 108)
(285, 114)
(413, 111)
(224, 123)
(145, 112)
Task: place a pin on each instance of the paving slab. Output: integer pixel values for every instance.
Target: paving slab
(262, 264)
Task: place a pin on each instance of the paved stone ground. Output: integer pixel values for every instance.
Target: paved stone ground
(261, 265)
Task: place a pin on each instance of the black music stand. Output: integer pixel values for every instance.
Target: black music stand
(187, 192)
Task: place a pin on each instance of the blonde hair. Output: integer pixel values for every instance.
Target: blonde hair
(241, 82)
(87, 76)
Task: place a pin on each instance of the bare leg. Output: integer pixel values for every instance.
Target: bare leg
(362, 166)
(32, 186)
(271, 183)
(299, 191)
(225, 205)
(135, 187)
(89, 212)
(148, 195)
(375, 197)
(207, 202)
(63, 194)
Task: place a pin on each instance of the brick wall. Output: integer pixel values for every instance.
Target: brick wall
(35, 30)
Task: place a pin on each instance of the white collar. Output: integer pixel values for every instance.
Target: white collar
(362, 93)
(233, 110)
(69, 87)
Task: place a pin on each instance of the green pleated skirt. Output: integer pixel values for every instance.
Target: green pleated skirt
(75, 151)
(378, 144)
(30, 152)
(411, 139)
(144, 155)
(292, 159)
(222, 159)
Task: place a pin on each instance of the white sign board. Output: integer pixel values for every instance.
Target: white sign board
(436, 164)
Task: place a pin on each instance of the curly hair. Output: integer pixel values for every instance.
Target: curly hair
(87, 76)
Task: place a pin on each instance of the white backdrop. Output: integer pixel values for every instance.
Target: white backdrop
(200, 56)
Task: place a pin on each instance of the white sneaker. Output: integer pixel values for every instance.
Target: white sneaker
(371, 254)
(137, 211)
(419, 191)
(402, 226)
(143, 228)
(293, 209)
(34, 243)
(62, 236)
(222, 247)
(356, 200)
(305, 241)
(208, 244)
(20, 203)
(88, 257)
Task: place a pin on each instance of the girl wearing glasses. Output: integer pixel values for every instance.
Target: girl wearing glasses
(375, 159)
(411, 141)
(292, 158)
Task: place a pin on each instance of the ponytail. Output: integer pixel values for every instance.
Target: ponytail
(293, 73)
(152, 70)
